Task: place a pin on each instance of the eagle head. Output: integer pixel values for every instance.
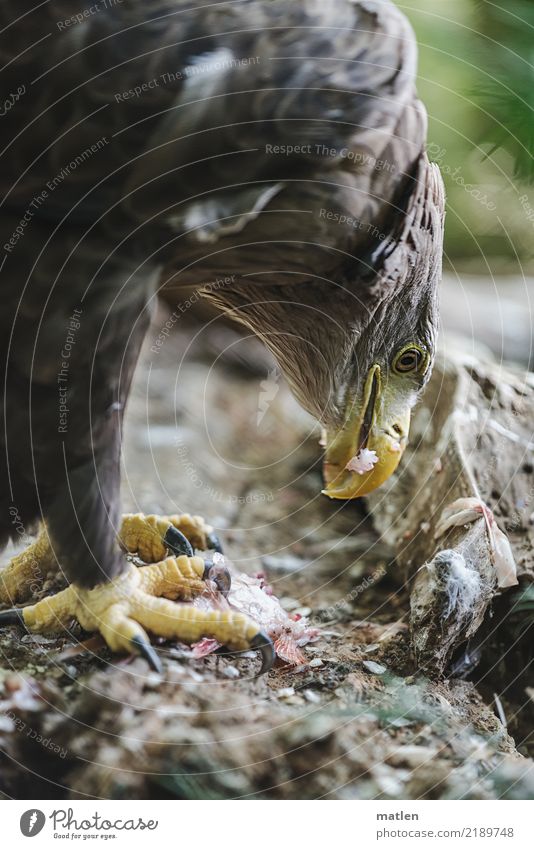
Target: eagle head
(356, 342)
(390, 347)
(367, 425)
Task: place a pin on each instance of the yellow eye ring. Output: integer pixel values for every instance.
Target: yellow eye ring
(410, 359)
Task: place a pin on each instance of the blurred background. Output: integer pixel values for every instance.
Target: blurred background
(476, 79)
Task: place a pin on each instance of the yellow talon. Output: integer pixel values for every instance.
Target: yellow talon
(144, 535)
(175, 577)
(194, 528)
(139, 534)
(138, 599)
(51, 613)
(24, 575)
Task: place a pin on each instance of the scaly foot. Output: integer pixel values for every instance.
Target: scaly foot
(139, 598)
(149, 537)
(25, 573)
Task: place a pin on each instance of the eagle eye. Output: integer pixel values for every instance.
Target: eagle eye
(409, 360)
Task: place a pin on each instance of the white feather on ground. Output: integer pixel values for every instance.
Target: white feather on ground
(466, 510)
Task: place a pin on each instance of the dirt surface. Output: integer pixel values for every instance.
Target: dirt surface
(212, 429)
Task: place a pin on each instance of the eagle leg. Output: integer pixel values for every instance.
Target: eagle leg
(139, 599)
(25, 573)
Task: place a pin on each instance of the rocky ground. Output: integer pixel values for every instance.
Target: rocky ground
(212, 429)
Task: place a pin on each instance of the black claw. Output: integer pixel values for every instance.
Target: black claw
(145, 650)
(177, 542)
(214, 543)
(219, 575)
(264, 644)
(12, 617)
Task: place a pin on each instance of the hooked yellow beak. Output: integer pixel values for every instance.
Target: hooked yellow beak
(378, 426)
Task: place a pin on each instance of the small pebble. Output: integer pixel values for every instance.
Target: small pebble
(38, 639)
(375, 668)
(400, 722)
(413, 756)
(357, 571)
(153, 679)
(371, 648)
(231, 672)
(389, 785)
(6, 724)
(195, 676)
(312, 696)
(283, 565)
(289, 603)
(315, 662)
(285, 692)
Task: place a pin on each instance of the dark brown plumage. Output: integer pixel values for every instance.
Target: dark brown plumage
(159, 134)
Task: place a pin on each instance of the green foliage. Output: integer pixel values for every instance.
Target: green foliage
(181, 785)
(508, 96)
(476, 80)
(521, 615)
